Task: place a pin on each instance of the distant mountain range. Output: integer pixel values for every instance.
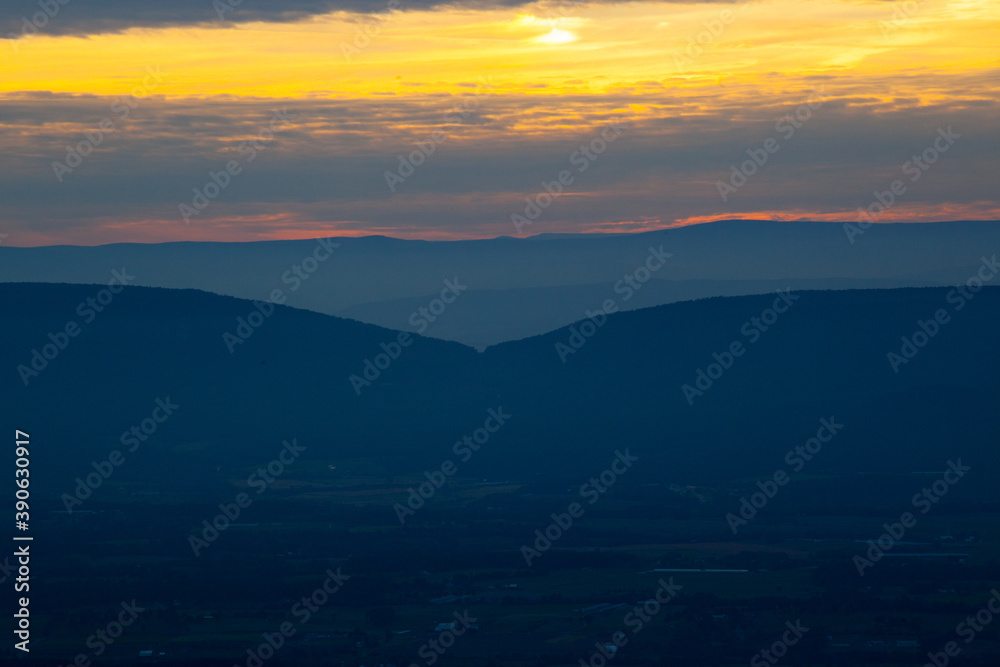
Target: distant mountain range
(575, 394)
(515, 288)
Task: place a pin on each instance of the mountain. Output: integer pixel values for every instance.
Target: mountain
(489, 317)
(512, 288)
(825, 357)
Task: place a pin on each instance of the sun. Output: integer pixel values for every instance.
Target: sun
(557, 36)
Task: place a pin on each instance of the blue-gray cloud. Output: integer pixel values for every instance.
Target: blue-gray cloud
(330, 163)
(82, 17)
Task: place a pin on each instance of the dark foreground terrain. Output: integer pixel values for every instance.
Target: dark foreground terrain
(808, 500)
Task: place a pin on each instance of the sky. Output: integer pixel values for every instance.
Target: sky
(194, 120)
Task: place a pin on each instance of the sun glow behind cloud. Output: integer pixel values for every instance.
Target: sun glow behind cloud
(605, 45)
(557, 36)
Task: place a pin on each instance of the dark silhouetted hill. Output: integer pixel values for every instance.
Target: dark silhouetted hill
(524, 287)
(825, 357)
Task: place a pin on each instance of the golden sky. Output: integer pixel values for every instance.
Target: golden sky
(699, 84)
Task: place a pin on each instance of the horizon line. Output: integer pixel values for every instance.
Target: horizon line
(541, 236)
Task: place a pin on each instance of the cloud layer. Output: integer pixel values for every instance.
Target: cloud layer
(447, 123)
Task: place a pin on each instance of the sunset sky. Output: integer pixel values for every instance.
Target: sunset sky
(506, 94)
